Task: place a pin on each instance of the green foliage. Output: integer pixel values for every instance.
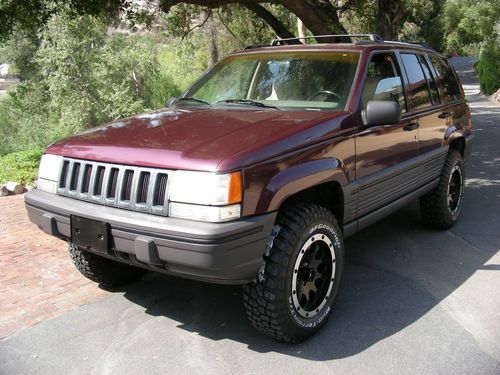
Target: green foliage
(470, 22)
(82, 77)
(488, 67)
(20, 166)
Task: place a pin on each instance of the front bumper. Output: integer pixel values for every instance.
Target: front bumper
(222, 253)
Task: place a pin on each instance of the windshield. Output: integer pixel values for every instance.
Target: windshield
(286, 80)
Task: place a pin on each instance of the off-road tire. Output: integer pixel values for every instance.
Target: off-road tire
(268, 300)
(434, 206)
(106, 272)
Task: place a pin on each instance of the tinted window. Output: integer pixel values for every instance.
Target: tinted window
(430, 79)
(451, 88)
(383, 81)
(420, 95)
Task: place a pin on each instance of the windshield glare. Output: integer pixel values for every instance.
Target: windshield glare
(312, 80)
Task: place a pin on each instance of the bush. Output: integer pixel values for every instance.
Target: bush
(20, 166)
(82, 77)
(488, 68)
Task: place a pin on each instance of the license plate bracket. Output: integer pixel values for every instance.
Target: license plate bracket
(87, 233)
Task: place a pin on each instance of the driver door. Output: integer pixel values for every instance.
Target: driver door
(385, 154)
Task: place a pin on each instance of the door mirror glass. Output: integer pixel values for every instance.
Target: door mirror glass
(381, 112)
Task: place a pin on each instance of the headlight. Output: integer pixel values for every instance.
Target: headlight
(206, 188)
(205, 196)
(48, 172)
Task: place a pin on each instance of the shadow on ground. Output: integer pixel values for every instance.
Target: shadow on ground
(396, 272)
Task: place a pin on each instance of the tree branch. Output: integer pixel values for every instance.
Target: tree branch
(199, 25)
(280, 30)
(228, 29)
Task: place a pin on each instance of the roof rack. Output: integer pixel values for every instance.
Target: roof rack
(371, 37)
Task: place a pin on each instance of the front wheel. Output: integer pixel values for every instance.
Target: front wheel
(294, 295)
(441, 207)
(106, 272)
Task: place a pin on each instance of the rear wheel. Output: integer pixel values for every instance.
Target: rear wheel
(441, 207)
(295, 293)
(106, 272)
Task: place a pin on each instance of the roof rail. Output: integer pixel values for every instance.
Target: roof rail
(253, 46)
(422, 44)
(371, 37)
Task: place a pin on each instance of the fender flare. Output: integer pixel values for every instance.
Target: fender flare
(301, 177)
(452, 133)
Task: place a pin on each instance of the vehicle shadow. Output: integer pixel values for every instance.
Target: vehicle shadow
(396, 272)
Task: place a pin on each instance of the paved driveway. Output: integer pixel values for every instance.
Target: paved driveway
(413, 301)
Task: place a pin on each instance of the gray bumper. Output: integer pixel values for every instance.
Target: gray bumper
(225, 253)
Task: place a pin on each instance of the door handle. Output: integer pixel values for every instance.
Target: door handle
(444, 115)
(410, 127)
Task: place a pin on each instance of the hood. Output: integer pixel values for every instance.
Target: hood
(202, 139)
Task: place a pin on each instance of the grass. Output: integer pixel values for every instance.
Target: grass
(21, 166)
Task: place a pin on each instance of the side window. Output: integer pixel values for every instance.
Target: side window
(420, 94)
(449, 82)
(430, 80)
(383, 81)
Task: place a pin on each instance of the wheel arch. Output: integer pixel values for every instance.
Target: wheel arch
(455, 139)
(318, 181)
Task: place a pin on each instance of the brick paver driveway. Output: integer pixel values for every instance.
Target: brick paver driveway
(37, 279)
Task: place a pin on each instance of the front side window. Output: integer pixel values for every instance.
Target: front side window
(420, 94)
(449, 82)
(383, 81)
(287, 80)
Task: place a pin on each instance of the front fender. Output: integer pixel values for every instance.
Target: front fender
(301, 177)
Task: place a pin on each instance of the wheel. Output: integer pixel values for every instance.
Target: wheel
(107, 272)
(441, 207)
(294, 293)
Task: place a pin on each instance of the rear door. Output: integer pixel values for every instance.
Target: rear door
(425, 103)
(454, 107)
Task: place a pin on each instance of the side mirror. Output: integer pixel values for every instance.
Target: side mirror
(381, 112)
(170, 102)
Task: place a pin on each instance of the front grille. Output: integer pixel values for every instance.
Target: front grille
(132, 188)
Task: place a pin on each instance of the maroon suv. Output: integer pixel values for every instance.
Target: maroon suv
(256, 173)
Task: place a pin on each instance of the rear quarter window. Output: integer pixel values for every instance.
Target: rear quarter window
(451, 87)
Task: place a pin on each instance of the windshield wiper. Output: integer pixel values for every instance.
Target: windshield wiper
(249, 102)
(191, 99)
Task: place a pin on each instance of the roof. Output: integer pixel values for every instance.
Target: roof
(336, 42)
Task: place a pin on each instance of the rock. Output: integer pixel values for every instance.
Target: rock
(14, 187)
(496, 97)
(4, 191)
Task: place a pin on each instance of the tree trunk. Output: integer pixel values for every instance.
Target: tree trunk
(210, 32)
(301, 28)
(390, 14)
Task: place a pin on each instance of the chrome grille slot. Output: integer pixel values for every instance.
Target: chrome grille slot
(142, 191)
(160, 189)
(112, 183)
(87, 173)
(64, 174)
(99, 181)
(127, 185)
(132, 188)
(75, 174)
